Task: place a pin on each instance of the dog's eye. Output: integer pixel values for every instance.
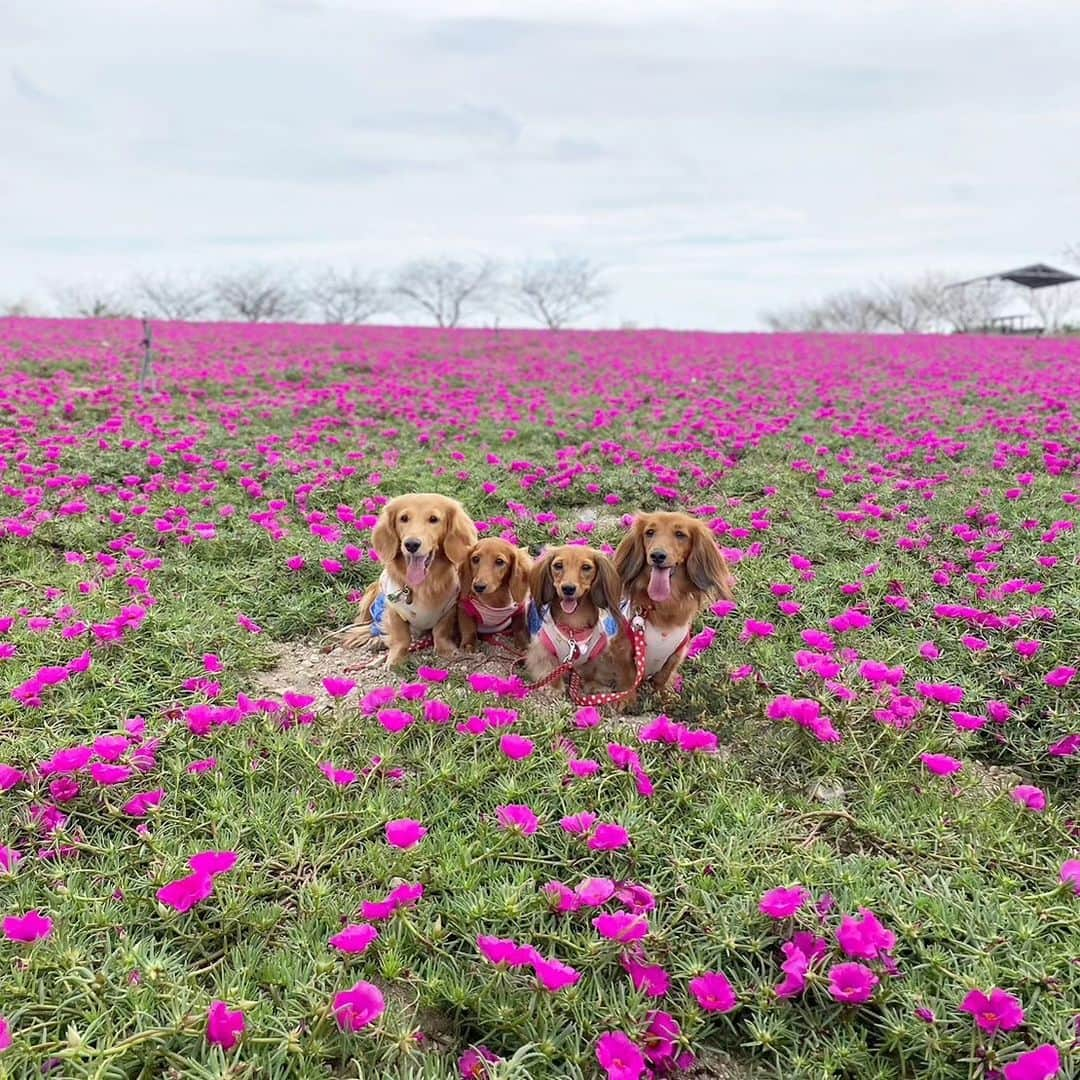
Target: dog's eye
(476, 560)
(500, 562)
(680, 536)
(433, 519)
(586, 568)
(650, 533)
(404, 517)
(556, 566)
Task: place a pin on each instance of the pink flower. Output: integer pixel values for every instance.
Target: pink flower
(795, 966)
(1042, 1063)
(714, 992)
(966, 721)
(1060, 676)
(929, 651)
(578, 824)
(941, 764)
(184, 893)
(9, 856)
(586, 717)
(993, 1012)
(224, 1026)
(584, 767)
(33, 926)
(864, 937)
(851, 983)
(341, 777)
(338, 688)
(608, 837)
(661, 1036)
(203, 765)
(503, 951)
(516, 747)
(946, 693)
(782, 903)
(359, 1006)
(593, 892)
(355, 938)
(10, 777)
(433, 675)
(212, 663)
(621, 926)
(1070, 874)
(402, 896)
(394, 720)
(5, 1034)
(107, 775)
(553, 975)
(619, 1057)
(404, 833)
(140, 805)
(473, 1064)
(1027, 648)
(518, 818)
(1029, 796)
(753, 628)
(650, 979)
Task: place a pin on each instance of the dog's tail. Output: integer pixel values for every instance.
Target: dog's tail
(359, 634)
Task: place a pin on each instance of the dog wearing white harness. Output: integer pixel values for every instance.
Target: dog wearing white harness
(671, 568)
(420, 540)
(574, 618)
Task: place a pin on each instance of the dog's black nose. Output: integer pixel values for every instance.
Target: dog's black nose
(478, 588)
(658, 558)
(412, 546)
(569, 590)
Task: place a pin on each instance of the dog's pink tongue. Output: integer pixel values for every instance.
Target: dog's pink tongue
(416, 569)
(569, 604)
(660, 583)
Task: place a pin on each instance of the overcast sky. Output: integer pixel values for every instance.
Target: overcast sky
(718, 157)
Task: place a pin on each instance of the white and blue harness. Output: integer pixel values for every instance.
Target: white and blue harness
(399, 599)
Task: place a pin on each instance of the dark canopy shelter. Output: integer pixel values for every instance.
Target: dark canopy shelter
(1035, 276)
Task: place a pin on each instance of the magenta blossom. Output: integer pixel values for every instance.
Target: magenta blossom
(994, 1011)
(851, 983)
(714, 992)
(1070, 874)
(794, 967)
(212, 862)
(184, 893)
(503, 951)
(621, 926)
(516, 747)
(553, 975)
(404, 833)
(518, 818)
(941, 764)
(1060, 676)
(224, 1026)
(782, 903)
(358, 1006)
(475, 1063)
(864, 937)
(33, 926)
(1029, 796)
(608, 837)
(1042, 1063)
(619, 1057)
(355, 938)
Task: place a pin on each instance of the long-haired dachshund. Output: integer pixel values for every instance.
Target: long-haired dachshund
(420, 539)
(494, 588)
(670, 568)
(574, 615)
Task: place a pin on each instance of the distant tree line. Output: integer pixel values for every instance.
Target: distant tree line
(930, 304)
(445, 292)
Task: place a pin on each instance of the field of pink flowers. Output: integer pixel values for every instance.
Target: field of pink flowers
(851, 850)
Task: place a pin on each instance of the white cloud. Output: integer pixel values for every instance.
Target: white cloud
(719, 158)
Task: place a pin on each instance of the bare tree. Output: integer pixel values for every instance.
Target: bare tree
(851, 312)
(22, 308)
(258, 294)
(557, 292)
(1053, 305)
(902, 306)
(444, 289)
(173, 298)
(86, 302)
(788, 320)
(346, 297)
(963, 308)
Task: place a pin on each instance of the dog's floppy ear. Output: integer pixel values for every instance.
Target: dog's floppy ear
(540, 584)
(384, 537)
(465, 571)
(607, 588)
(460, 533)
(630, 554)
(706, 565)
(518, 580)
